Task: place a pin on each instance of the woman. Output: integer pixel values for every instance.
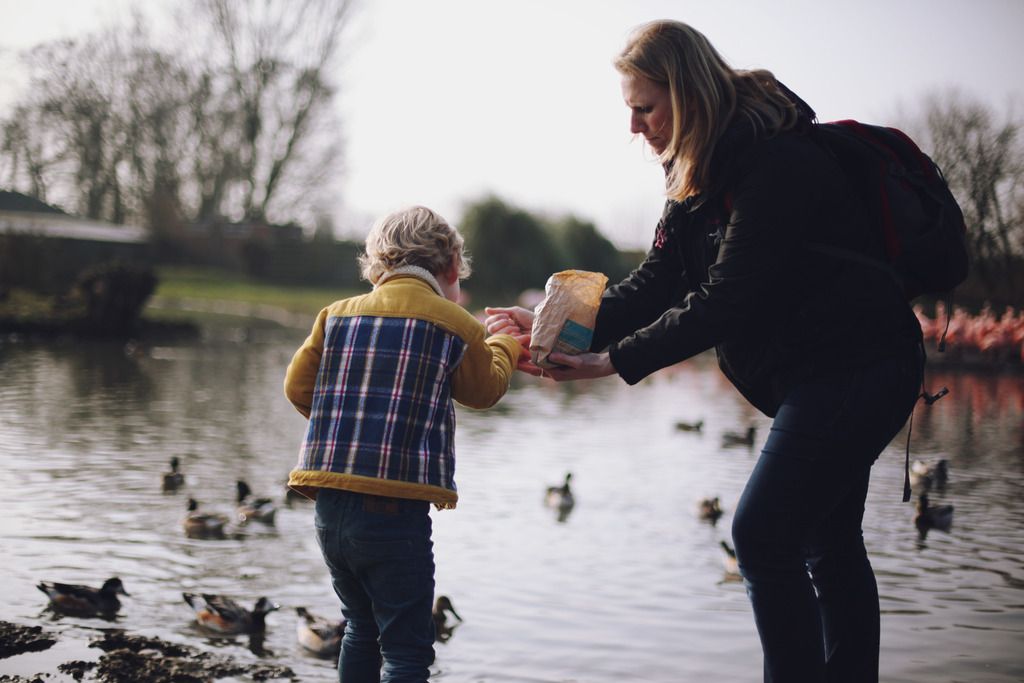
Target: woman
(828, 347)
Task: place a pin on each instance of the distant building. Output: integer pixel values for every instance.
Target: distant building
(44, 248)
(21, 214)
(16, 201)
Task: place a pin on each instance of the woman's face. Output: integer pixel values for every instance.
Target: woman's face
(650, 109)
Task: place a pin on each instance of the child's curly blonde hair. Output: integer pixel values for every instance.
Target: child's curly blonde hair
(415, 236)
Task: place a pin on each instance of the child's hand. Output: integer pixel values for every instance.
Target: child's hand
(514, 320)
(525, 363)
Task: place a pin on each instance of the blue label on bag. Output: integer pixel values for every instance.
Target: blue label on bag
(574, 338)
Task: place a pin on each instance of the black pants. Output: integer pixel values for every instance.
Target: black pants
(797, 527)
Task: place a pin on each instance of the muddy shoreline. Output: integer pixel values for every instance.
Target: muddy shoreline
(128, 658)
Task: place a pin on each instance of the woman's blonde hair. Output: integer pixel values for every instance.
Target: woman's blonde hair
(415, 236)
(706, 94)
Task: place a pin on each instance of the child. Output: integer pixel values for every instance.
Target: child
(377, 378)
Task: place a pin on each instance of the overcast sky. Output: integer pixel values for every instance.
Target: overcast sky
(443, 101)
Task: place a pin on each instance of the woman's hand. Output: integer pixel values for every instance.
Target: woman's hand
(518, 322)
(582, 366)
(514, 320)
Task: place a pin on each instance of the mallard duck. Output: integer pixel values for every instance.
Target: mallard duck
(84, 600)
(173, 480)
(736, 439)
(203, 524)
(560, 497)
(319, 635)
(690, 426)
(729, 563)
(250, 509)
(924, 476)
(442, 629)
(932, 517)
(709, 509)
(223, 615)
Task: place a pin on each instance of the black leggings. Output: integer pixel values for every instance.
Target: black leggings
(797, 527)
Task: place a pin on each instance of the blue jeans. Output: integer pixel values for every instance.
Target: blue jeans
(381, 560)
(797, 527)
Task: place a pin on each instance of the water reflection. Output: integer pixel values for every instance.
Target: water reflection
(88, 431)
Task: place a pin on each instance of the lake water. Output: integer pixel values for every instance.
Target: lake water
(629, 587)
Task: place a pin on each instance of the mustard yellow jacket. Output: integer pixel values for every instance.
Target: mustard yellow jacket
(377, 378)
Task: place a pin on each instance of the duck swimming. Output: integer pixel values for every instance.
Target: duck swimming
(319, 635)
(222, 615)
(203, 524)
(253, 509)
(690, 426)
(729, 563)
(924, 476)
(932, 517)
(84, 600)
(560, 497)
(709, 509)
(442, 629)
(736, 439)
(173, 480)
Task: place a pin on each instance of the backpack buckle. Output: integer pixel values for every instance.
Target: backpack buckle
(932, 398)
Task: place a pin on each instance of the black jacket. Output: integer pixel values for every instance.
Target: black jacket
(729, 269)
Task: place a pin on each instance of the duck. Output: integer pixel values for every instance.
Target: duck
(730, 563)
(932, 517)
(173, 480)
(923, 475)
(736, 439)
(85, 600)
(442, 629)
(560, 497)
(253, 509)
(709, 509)
(319, 635)
(690, 426)
(222, 615)
(203, 524)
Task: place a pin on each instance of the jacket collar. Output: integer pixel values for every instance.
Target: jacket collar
(410, 271)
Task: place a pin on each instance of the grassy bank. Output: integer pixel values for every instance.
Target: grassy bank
(209, 296)
(184, 297)
(209, 285)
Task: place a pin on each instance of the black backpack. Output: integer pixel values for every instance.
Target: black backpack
(919, 222)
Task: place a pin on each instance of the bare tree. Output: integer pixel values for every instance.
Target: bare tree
(983, 161)
(28, 153)
(160, 137)
(270, 62)
(71, 101)
(100, 127)
(241, 127)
